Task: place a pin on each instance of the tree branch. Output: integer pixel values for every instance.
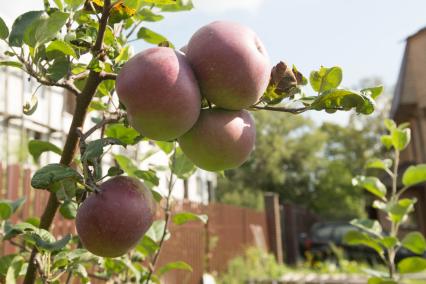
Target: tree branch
(280, 109)
(108, 76)
(72, 140)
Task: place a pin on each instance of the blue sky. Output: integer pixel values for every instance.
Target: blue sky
(364, 37)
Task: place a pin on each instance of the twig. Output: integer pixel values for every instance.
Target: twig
(100, 125)
(167, 215)
(108, 76)
(281, 109)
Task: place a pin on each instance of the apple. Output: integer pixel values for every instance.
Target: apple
(160, 92)
(231, 64)
(220, 140)
(112, 221)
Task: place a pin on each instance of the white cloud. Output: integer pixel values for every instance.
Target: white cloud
(219, 6)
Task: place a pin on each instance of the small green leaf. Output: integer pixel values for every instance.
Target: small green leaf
(359, 238)
(127, 135)
(124, 55)
(60, 46)
(30, 107)
(14, 269)
(58, 69)
(370, 226)
(373, 92)
(6, 210)
(414, 175)
(379, 280)
(126, 164)
(181, 166)
(149, 176)
(386, 141)
(5, 262)
(155, 232)
(180, 265)
(185, 217)
(389, 124)
(398, 211)
(68, 210)
(148, 16)
(59, 4)
(412, 265)
(52, 173)
(178, 5)
(21, 24)
(48, 28)
(94, 149)
(52, 246)
(150, 36)
(166, 147)
(37, 147)
(4, 31)
(400, 138)
(389, 242)
(379, 164)
(371, 184)
(115, 171)
(11, 64)
(326, 79)
(415, 242)
(74, 4)
(147, 246)
(343, 99)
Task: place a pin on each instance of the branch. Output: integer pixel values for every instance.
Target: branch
(281, 109)
(108, 76)
(167, 215)
(99, 125)
(71, 142)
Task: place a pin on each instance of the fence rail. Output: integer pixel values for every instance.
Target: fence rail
(206, 248)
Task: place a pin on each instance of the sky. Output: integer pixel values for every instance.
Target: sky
(364, 37)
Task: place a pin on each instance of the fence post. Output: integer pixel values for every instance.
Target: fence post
(273, 221)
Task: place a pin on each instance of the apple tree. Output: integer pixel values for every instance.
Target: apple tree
(194, 104)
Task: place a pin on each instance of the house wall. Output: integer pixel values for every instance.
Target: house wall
(51, 122)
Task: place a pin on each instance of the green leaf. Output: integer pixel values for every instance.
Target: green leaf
(21, 24)
(49, 27)
(182, 167)
(59, 68)
(17, 203)
(5, 262)
(389, 242)
(373, 92)
(14, 269)
(52, 173)
(359, 238)
(378, 280)
(412, 265)
(74, 4)
(52, 246)
(370, 226)
(184, 217)
(127, 135)
(148, 16)
(371, 184)
(414, 175)
(326, 79)
(379, 164)
(166, 147)
(95, 149)
(4, 31)
(180, 265)
(343, 99)
(30, 107)
(114, 171)
(386, 141)
(147, 246)
(60, 46)
(6, 210)
(98, 105)
(11, 64)
(68, 210)
(415, 242)
(150, 36)
(155, 232)
(126, 164)
(37, 147)
(160, 2)
(149, 176)
(400, 138)
(59, 4)
(389, 124)
(124, 55)
(398, 211)
(178, 5)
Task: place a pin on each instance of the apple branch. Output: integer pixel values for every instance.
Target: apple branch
(83, 101)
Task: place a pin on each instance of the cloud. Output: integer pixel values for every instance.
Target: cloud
(220, 6)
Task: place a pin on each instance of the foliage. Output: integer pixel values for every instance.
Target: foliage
(394, 206)
(255, 264)
(80, 46)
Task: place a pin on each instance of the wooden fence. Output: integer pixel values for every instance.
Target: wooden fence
(206, 248)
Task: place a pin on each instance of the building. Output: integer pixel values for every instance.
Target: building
(409, 105)
(51, 122)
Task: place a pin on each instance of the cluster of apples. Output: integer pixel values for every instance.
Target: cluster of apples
(162, 89)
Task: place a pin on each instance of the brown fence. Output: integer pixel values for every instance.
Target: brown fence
(229, 231)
